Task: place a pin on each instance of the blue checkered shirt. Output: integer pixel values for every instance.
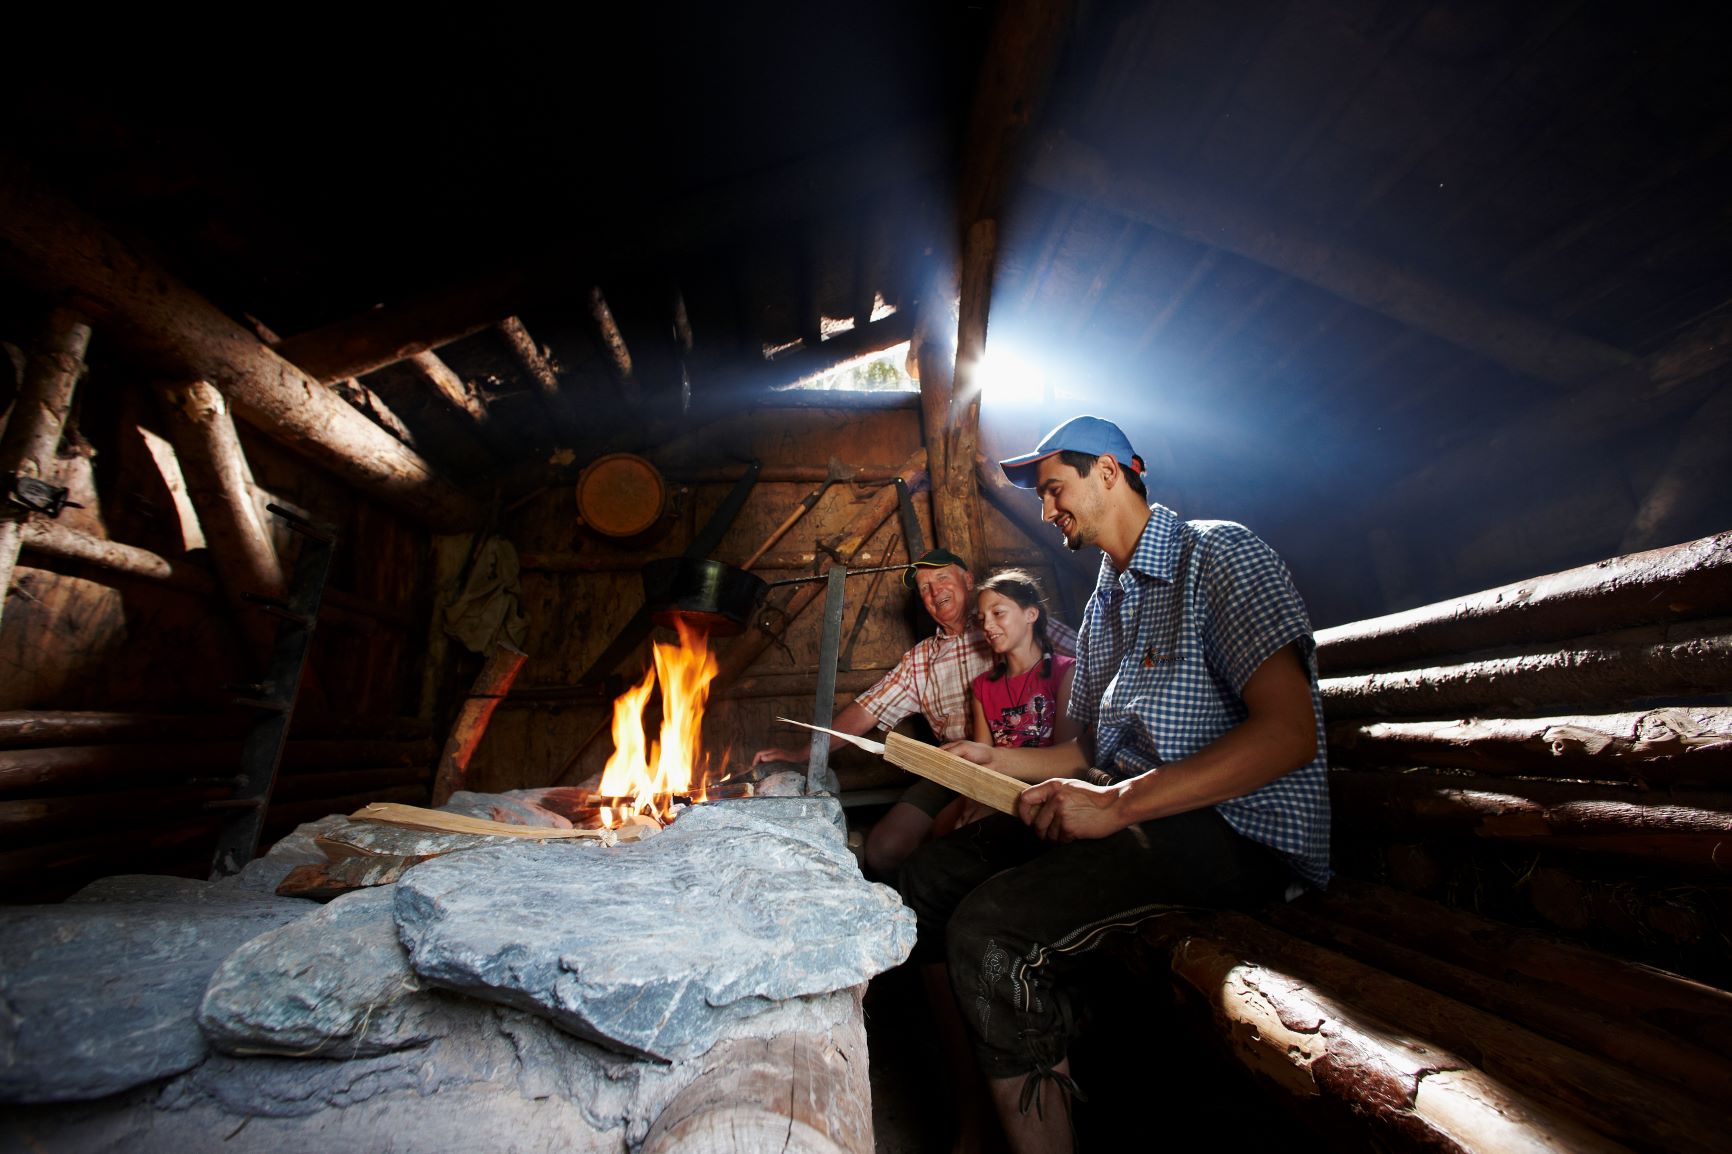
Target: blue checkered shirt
(1165, 648)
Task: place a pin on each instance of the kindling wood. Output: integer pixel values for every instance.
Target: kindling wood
(987, 786)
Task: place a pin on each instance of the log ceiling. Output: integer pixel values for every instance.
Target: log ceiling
(1433, 294)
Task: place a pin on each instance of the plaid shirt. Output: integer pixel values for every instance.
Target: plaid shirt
(933, 679)
(1167, 646)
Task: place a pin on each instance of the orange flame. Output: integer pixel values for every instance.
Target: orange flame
(652, 772)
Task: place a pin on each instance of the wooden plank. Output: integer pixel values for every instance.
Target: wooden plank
(418, 817)
(491, 686)
(987, 786)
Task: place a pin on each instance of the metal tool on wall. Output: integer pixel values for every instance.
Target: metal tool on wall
(837, 471)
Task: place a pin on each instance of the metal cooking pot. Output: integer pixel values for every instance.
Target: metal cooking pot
(720, 598)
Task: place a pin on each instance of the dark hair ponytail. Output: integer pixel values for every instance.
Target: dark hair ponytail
(1024, 588)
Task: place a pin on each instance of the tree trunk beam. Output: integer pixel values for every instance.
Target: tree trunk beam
(491, 686)
(1551, 968)
(1661, 745)
(612, 341)
(543, 377)
(452, 389)
(50, 244)
(1527, 345)
(32, 438)
(1690, 830)
(1323, 1024)
(22, 728)
(63, 767)
(1595, 1029)
(51, 539)
(1676, 660)
(1693, 579)
(794, 1093)
(384, 336)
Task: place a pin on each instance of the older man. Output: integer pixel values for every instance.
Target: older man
(932, 679)
(1197, 681)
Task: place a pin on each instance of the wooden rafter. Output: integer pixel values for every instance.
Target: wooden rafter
(52, 245)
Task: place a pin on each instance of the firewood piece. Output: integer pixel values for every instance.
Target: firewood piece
(326, 880)
(987, 786)
(1674, 744)
(1337, 1056)
(491, 686)
(1673, 660)
(38, 416)
(1692, 830)
(1680, 581)
(795, 1093)
(416, 817)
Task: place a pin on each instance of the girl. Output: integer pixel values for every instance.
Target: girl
(1021, 700)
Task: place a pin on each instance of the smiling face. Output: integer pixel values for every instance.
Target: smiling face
(1006, 624)
(1076, 504)
(946, 593)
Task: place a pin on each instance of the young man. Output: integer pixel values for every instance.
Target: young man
(1197, 684)
(931, 679)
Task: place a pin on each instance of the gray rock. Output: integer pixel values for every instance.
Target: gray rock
(300, 847)
(98, 994)
(335, 983)
(656, 948)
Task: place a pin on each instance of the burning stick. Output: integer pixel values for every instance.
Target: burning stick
(987, 786)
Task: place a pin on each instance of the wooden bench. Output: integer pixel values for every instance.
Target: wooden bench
(1533, 808)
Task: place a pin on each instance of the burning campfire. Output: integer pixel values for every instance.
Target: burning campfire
(651, 774)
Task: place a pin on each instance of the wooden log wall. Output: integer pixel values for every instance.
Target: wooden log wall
(1554, 752)
(115, 610)
(88, 793)
(580, 586)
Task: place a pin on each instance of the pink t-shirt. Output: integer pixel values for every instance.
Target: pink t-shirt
(1022, 709)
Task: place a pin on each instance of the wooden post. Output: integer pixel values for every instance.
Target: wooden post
(38, 416)
(794, 1093)
(52, 245)
(219, 481)
(452, 389)
(491, 685)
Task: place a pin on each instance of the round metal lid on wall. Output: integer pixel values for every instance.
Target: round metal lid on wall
(621, 495)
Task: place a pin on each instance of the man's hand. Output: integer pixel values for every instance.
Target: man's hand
(1065, 809)
(798, 756)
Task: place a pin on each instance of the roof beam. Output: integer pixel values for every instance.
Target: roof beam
(1526, 344)
(52, 245)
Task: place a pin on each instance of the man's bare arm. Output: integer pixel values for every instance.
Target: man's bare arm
(1278, 736)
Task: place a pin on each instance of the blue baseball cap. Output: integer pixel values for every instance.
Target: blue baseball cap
(1091, 435)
